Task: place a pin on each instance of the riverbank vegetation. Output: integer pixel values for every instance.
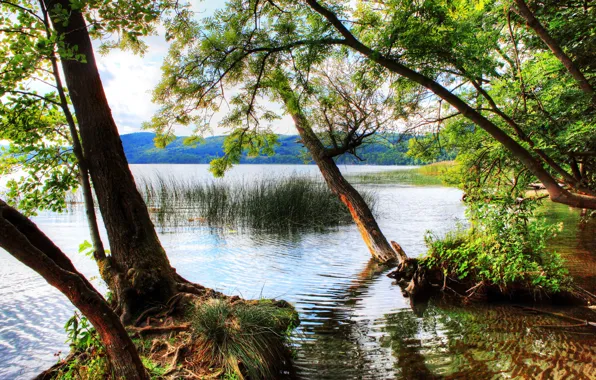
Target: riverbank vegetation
(272, 204)
(506, 247)
(209, 338)
(436, 174)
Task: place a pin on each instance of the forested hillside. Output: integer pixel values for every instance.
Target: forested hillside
(140, 149)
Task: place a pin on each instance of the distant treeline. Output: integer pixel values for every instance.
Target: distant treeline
(140, 149)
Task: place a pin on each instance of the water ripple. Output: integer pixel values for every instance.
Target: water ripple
(355, 322)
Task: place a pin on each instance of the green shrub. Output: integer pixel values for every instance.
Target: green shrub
(506, 246)
(244, 339)
(90, 360)
(155, 370)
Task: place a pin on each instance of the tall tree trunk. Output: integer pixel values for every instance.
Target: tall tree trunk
(23, 240)
(524, 11)
(136, 253)
(376, 242)
(99, 252)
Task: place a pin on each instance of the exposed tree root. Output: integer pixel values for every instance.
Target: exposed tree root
(51, 372)
(142, 331)
(420, 283)
(167, 337)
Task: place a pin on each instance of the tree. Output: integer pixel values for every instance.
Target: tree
(40, 36)
(524, 11)
(39, 126)
(343, 116)
(438, 51)
(342, 142)
(141, 273)
(455, 62)
(23, 240)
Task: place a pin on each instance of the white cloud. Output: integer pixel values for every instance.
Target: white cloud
(128, 80)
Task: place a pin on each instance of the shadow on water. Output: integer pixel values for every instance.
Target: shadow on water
(446, 342)
(576, 242)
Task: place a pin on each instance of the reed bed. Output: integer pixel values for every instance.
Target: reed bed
(285, 203)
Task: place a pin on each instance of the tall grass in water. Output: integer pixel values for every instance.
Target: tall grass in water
(268, 204)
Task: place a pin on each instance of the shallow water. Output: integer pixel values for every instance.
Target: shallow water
(355, 323)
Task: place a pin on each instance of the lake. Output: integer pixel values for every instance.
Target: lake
(355, 324)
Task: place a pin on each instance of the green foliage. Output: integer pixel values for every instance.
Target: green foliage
(42, 167)
(506, 246)
(86, 248)
(31, 118)
(239, 141)
(280, 204)
(81, 334)
(90, 360)
(481, 51)
(244, 339)
(155, 370)
(344, 106)
(32, 115)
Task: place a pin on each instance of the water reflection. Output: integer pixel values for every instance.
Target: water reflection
(355, 322)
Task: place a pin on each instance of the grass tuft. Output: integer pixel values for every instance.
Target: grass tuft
(246, 340)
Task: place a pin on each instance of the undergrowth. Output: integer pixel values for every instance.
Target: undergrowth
(506, 246)
(234, 341)
(89, 360)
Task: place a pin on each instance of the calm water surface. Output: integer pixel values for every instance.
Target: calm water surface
(355, 323)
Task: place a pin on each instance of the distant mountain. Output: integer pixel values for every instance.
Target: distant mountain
(140, 149)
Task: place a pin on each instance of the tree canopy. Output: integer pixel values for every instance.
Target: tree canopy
(479, 69)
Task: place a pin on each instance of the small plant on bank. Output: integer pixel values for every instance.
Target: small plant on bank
(244, 339)
(90, 360)
(506, 246)
(155, 370)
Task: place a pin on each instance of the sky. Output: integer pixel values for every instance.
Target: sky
(128, 80)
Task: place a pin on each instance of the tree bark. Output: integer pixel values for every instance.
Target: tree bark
(524, 11)
(136, 253)
(376, 242)
(98, 249)
(23, 240)
(556, 192)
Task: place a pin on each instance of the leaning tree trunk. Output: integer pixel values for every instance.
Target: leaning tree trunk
(146, 276)
(23, 240)
(376, 242)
